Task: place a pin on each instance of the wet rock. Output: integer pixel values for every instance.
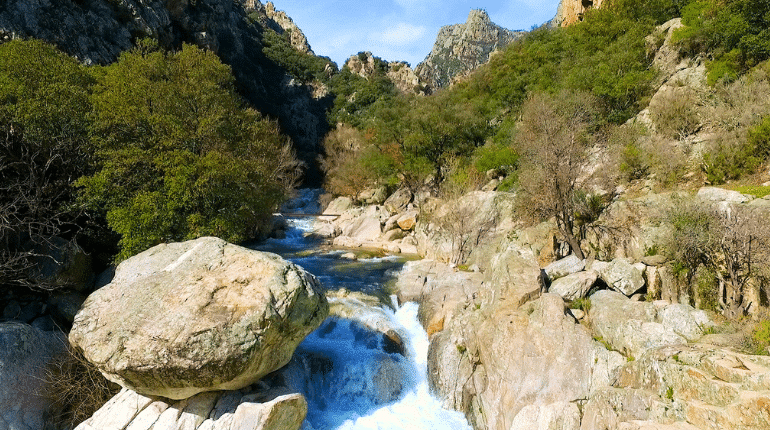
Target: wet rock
(202, 315)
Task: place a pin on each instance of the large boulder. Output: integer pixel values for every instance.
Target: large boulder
(203, 315)
(564, 267)
(621, 276)
(574, 286)
(637, 327)
(272, 409)
(24, 354)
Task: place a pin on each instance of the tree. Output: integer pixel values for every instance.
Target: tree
(44, 107)
(732, 241)
(553, 140)
(179, 155)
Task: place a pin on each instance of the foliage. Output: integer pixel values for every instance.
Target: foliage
(303, 66)
(497, 157)
(760, 338)
(675, 114)
(43, 119)
(76, 387)
(356, 95)
(179, 156)
(758, 191)
(553, 141)
(733, 244)
(735, 32)
(729, 159)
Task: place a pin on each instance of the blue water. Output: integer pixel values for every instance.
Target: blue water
(350, 376)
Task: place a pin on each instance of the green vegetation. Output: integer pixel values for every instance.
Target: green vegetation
(157, 146)
(44, 105)
(303, 66)
(760, 339)
(179, 156)
(736, 33)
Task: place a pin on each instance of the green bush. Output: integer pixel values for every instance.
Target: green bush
(498, 157)
(760, 338)
(179, 155)
(727, 161)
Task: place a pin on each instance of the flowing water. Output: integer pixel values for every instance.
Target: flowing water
(352, 377)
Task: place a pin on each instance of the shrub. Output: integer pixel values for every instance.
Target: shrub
(499, 157)
(675, 113)
(76, 388)
(760, 338)
(729, 159)
(179, 155)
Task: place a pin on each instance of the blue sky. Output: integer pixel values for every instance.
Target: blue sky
(399, 30)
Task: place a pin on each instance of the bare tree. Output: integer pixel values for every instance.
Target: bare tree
(553, 140)
(732, 241)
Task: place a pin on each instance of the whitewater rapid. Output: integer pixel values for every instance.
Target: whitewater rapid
(351, 377)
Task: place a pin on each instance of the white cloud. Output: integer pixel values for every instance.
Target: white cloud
(402, 34)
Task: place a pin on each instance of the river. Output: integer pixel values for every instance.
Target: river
(351, 376)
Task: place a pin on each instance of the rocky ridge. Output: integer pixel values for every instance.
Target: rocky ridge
(365, 64)
(462, 48)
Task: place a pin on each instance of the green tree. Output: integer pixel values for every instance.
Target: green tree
(180, 156)
(44, 107)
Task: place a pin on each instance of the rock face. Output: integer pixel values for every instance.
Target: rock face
(252, 409)
(400, 73)
(287, 25)
(636, 327)
(572, 11)
(24, 353)
(203, 315)
(462, 48)
(97, 31)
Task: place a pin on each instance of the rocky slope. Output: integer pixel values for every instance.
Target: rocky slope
(462, 48)
(400, 73)
(97, 31)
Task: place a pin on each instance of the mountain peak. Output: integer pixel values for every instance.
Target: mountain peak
(461, 48)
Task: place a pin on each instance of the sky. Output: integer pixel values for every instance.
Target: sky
(399, 30)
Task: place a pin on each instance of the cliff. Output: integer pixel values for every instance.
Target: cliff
(462, 48)
(571, 11)
(97, 31)
(400, 73)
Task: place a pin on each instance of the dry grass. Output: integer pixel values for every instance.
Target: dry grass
(76, 388)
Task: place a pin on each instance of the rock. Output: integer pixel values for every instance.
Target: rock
(349, 256)
(364, 228)
(408, 220)
(253, 409)
(66, 305)
(637, 327)
(574, 286)
(393, 235)
(373, 196)
(621, 276)
(24, 354)
(462, 48)
(572, 11)
(685, 321)
(338, 206)
(398, 201)
(491, 185)
(203, 315)
(62, 264)
(654, 260)
(716, 194)
(500, 359)
(555, 416)
(565, 266)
